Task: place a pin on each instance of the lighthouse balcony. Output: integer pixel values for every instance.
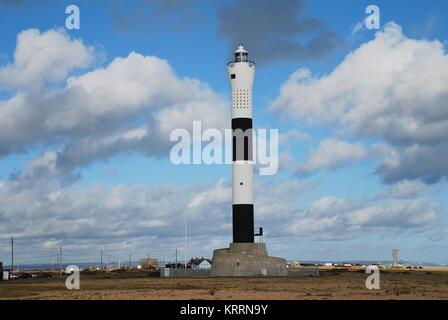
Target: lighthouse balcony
(232, 63)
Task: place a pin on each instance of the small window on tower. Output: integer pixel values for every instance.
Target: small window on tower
(232, 76)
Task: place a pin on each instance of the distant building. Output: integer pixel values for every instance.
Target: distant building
(200, 263)
(206, 264)
(149, 264)
(179, 265)
(328, 264)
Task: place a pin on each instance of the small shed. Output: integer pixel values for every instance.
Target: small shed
(201, 263)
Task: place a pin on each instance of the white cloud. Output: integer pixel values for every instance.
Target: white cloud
(122, 217)
(419, 162)
(100, 212)
(47, 56)
(131, 104)
(127, 86)
(327, 205)
(286, 161)
(405, 189)
(332, 154)
(222, 193)
(390, 88)
(395, 213)
(337, 218)
(97, 213)
(293, 135)
(275, 202)
(50, 244)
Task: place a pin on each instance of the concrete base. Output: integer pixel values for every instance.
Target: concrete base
(247, 260)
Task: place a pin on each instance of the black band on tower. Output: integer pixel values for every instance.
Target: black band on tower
(242, 139)
(242, 123)
(243, 223)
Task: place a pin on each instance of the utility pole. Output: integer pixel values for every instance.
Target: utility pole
(186, 241)
(60, 261)
(130, 261)
(12, 254)
(175, 267)
(101, 263)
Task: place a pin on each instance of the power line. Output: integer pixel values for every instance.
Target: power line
(32, 256)
(69, 250)
(34, 246)
(33, 250)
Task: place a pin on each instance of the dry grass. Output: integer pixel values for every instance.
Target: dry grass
(403, 284)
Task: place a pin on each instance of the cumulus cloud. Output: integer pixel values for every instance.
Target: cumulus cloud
(78, 215)
(276, 201)
(220, 194)
(293, 135)
(338, 218)
(273, 32)
(128, 217)
(48, 56)
(406, 188)
(128, 210)
(395, 213)
(387, 88)
(130, 105)
(424, 162)
(105, 212)
(332, 154)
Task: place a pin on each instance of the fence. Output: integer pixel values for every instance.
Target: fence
(292, 272)
(167, 272)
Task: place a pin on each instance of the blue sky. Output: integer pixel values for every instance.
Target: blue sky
(337, 197)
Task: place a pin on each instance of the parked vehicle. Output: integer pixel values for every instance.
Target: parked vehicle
(42, 276)
(21, 275)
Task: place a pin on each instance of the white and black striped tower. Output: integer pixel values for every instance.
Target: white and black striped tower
(241, 75)
(243, 257)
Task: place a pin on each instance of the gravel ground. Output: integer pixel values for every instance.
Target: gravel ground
(332, 284)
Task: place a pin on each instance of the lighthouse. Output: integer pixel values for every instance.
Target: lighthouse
(241, 74)
(243, 257)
